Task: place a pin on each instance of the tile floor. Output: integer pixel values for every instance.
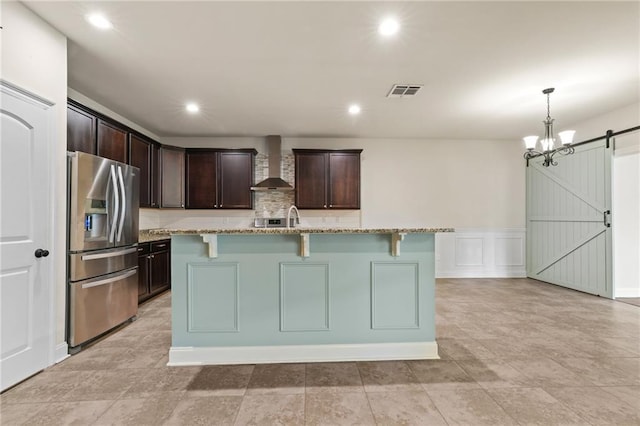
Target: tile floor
(514, 351)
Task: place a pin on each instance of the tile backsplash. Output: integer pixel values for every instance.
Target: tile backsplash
(266, 204)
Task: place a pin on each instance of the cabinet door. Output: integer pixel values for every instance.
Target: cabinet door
(159, 271)
(156, 178)
(140, 156)
(344, 181)
(81, 130)
(235, 179)
(143, 271)
(172, 177)
(311, 176)
(111, 141)
(201, 171)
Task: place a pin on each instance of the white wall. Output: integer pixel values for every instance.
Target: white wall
(34, 57)
(625, 211)
(422, 183)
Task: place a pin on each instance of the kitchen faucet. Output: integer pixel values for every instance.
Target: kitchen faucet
(293, 207)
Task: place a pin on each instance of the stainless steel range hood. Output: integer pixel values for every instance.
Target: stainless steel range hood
(274, 182)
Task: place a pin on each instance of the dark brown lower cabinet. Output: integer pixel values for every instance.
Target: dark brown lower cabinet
(154, 268)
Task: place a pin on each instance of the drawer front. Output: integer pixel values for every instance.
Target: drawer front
(143, 248)
(160, 245)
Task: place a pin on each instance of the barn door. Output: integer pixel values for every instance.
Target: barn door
(569, 220)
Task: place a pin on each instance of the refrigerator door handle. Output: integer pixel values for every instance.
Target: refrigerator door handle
(111, 279)
(124, 204)
(116, 198)
(110, 254)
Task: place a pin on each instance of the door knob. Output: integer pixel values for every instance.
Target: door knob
(41, 253)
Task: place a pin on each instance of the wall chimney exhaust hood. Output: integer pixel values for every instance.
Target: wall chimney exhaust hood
(274, 182)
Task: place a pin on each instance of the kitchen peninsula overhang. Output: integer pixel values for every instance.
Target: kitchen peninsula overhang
(210, 236)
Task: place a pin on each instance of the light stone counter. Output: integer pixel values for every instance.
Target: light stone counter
(150, 233)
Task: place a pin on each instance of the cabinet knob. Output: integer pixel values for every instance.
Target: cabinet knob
(330, 205)
(324, 206)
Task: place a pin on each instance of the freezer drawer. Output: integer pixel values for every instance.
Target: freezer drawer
(91, 264)
(99, 304)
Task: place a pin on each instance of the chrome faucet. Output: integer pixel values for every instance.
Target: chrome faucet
(289, 216)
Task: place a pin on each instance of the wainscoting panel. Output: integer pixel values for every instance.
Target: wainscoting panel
(304, 296)
(394, 295)
(481, 253)
(213, 297)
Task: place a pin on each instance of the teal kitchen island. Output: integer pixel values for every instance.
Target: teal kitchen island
(246, 296)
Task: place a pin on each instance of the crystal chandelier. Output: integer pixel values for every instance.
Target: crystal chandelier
(547, 143)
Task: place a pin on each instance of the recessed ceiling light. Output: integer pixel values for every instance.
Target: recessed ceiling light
(354, 109)
(192, 107)
(388, 27)
(99, 21)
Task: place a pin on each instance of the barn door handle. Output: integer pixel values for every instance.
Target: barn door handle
(605, 218)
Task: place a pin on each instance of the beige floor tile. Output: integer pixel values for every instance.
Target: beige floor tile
(534, 406)
(271, 410)
(142, 411)
(604, 371)
(20, 414)
(218, 380)
(48, 386)
(469, 407)
(546, 372)
(70, 413)
(627, 394)
(404, 408)
(384, 376)
(335, 377)
(338, 409)
(459, 349)
(441, 375)
(104, 384)
(161, 380)
(494, 374)
(596, 406)
(215, 410)
(277, 379)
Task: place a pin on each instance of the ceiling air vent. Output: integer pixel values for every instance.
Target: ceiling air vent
(402, 90)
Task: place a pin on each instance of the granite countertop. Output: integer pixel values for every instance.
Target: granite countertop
(144, 236)
(163, 233)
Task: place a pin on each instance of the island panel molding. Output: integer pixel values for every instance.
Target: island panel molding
(304, 296)
(395, 295)
(213, 297)
(287, 304)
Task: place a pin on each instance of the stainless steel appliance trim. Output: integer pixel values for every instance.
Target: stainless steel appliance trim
(110, 280)
(124, 204)
(116, 201)
(110, 254)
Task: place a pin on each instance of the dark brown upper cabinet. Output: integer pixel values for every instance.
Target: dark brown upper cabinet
(327, 179)
(143, 153)
(172, 177)
(81, 130)
(219, 179)
(111, 141)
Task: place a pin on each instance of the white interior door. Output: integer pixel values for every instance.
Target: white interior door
(25, 226)
(568, 220)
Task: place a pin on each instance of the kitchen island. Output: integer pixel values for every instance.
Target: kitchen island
(256, 295)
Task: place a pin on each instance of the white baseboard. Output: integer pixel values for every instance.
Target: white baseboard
(481, 253)
(626, 292)
(301, 353)
(61, 352)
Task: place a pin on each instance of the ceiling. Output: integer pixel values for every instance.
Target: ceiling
(293, 68)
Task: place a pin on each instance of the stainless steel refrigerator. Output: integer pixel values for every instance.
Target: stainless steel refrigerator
(102, 246)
